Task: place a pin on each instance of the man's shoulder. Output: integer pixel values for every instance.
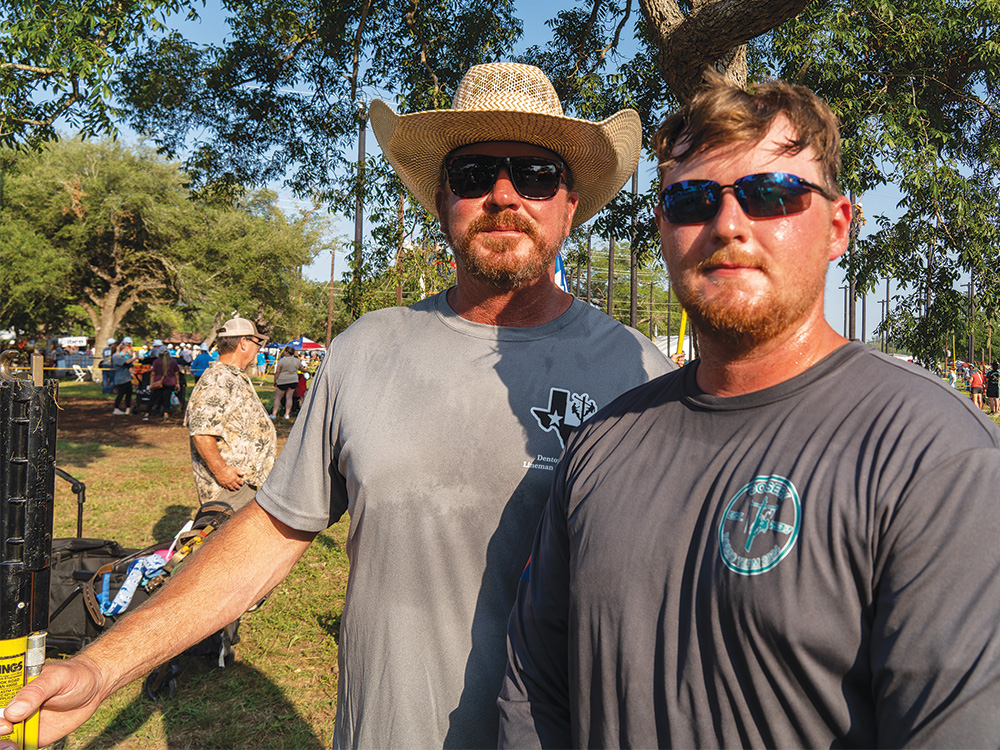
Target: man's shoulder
(906, 395)
(598, 326)
(386, 324)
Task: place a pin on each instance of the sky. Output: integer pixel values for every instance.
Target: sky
(882, 201)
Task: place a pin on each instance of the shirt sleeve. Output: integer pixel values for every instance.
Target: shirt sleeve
(305, 489)
(534, 697)
(935, 653)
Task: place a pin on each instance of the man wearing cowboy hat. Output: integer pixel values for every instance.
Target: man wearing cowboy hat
(435, 426)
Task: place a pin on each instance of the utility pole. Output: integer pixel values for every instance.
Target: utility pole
(650, 310)
(590, 235)
(864, 317)
(670, 290)
(851, 276)
(847, 305)
(611, 273)
(971, 286)
(634, 259)
(887, 315)
(359, 217)
(882, 347)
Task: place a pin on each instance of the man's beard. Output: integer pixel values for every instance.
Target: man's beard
(742, 322)
(499, 266)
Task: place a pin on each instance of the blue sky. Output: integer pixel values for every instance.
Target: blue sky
(212, 27)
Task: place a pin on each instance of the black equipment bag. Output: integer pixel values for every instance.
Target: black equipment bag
(74, 562)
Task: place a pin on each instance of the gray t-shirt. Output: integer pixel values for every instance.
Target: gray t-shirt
(813, 565)
(440, 437)
(123, 370)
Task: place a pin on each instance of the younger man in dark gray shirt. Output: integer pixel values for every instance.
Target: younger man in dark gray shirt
(773, 546)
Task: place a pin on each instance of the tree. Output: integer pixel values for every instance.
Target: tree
(120, 236)
(915, 85)
(114, 215)
(61, 59)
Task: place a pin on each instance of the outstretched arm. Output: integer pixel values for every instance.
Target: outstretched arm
(209, 591)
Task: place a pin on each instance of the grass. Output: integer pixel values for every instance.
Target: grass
(281, 690)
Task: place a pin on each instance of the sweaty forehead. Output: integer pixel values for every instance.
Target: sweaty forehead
(505, 148)
(774, 152)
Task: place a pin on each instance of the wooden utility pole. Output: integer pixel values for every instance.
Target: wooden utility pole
(590, 235)
(633, 260)
(399, 250)
(611, 273)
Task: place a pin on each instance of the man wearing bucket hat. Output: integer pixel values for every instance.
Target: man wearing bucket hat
(233, 442)
(435, 426)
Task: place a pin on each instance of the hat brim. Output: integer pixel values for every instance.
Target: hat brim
(600, 155)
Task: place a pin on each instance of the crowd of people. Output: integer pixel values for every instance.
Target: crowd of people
(558, 538)
(152, 379)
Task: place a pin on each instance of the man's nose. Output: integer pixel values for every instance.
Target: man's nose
(503, 194)
(731, 221)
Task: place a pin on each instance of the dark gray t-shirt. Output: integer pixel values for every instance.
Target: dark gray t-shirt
(440, 437)
(813, 565)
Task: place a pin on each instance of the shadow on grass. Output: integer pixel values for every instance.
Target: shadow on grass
(174, 517)
(214, 708)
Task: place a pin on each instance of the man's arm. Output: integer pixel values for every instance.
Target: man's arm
(228, 476)
(935, 655)
(534, 697)
(212, 589)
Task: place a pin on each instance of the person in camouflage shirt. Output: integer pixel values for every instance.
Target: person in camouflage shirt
(233, 441)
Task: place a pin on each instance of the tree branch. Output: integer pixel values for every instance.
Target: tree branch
(712, 34)
(414, 29)
(356, 61)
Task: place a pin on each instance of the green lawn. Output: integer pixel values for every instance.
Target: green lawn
(281, 691)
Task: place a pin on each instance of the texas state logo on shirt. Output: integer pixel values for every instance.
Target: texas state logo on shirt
(760, 525)
(564, 411)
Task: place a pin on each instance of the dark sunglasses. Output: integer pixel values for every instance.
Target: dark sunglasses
(535, 178)
(761, 196)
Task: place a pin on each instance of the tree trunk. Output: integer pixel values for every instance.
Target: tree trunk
(714, 34)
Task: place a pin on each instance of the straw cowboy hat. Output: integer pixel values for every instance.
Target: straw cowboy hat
(510, 102)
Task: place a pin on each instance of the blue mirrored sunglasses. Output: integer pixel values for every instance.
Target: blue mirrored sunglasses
(761, 196)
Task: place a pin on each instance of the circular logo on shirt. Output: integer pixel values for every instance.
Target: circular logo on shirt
(760, 525)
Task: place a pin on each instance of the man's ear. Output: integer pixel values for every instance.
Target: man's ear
(840, 227)
(439, 200)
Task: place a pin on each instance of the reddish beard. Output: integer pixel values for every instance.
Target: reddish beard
(499, 265)
(735, 319)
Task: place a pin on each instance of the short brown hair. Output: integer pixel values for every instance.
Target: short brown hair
(722, 114)
(228, 344)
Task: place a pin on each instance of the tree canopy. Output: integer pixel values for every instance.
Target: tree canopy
(113, 231)
(282, 96)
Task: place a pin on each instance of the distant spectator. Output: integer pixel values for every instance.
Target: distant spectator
(186, 357)
(122, 361)
(200, 363)
(163, 383)
(107, 371)
(286, 380)
(993, 388)
(977, 384)
(233, 443)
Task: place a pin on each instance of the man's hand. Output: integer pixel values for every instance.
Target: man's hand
(71, 691)
(229, 477)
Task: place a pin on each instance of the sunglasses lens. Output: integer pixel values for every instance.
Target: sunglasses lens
(773, 194)
(534, 178)
(472, 176)
(690, 201)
